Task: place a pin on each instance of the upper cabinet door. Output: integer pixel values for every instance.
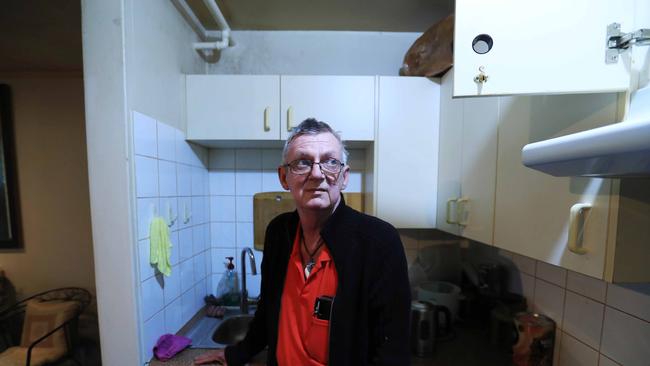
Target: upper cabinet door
(538, 47)
(347, 103)
(233, 107)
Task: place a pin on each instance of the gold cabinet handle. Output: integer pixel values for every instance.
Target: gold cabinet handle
(577, 218)
(448, 214)
(267, 127)
(289, 118)
(460, 212)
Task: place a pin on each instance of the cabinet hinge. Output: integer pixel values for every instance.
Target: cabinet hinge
(618, 41)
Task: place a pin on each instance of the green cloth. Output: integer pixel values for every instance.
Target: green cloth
(160, 246)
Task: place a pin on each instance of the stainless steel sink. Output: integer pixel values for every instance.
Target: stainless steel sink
(232, 330)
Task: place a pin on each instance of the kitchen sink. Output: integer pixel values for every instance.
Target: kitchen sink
(232, 330)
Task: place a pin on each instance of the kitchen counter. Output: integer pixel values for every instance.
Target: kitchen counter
(469, 346)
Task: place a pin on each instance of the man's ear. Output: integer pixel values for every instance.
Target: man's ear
(346, 177)
(282, 176)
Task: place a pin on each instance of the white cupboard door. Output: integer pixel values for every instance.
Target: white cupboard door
(406, 151)
(479, 157)
(538, 47)
(347, 103)
(532, 209)
(449, 157)
(233, 107)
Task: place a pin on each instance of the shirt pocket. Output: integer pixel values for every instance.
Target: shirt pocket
(317, 340)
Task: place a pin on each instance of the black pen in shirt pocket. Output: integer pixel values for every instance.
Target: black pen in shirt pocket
(323, 307)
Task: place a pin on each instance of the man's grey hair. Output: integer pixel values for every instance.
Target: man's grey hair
(311, 126)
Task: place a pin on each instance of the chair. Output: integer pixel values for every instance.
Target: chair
(42, 329)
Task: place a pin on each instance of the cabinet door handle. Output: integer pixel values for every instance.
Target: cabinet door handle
(448, 214)
(461, 214)
(267, 128)
(289, 118)
(577, 219)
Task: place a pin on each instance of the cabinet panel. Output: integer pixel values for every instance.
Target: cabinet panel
(406, 151)
(532, 208)
(347, 103)
(449, 156)
(233, 107)
(554, 46)
(479, 157)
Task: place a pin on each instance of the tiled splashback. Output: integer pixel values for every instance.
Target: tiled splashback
(171, 179)
(598, 323)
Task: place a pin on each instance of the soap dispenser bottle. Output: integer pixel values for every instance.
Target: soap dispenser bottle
(228, 288)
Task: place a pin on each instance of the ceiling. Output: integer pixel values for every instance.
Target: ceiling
(45, 35)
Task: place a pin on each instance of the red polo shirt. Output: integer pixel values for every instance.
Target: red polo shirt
(302, 338)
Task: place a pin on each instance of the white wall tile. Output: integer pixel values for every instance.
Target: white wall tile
(184, 179)
(200, 291)
(144, 135)
(553, 274)
(199, 267)
(175, 255)
(528, 289)
(549, 300)
(244, 235)
(167, 178)
(152, 329)
(198, 186)
(583, 318)
(248, 159)
(222, 182)
(198, 239)
(604, 361)
(221, 159)
(168, 210)
(248, 182)
(271, 182)
(146, 177)
(271, 159)
(253, 285)
(199, 211)
(185, 243)
(185, 213)
(222, 208)
(187, 305)
(223, 234)
(187, 274)
(173, 317)
(632, 302)
(166, 142)
(586, 286)
(355, 182)
(244, 208)
(524, 264)
(575, 353)
(198, 155)
(146, 270)
(152, 297)
(172, 285)
(147, 208)
(626, 339)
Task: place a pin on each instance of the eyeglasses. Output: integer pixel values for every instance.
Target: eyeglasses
(304, 166)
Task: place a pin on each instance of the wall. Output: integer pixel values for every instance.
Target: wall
(171, 182)
(53, 185)
(314, 53)
(597, 323)
(135, 53)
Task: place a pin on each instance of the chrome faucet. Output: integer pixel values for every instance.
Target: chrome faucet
(243, 305)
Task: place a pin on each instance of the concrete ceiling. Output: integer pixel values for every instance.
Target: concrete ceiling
(45, 35)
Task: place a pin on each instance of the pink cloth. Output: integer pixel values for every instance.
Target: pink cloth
(168, 345)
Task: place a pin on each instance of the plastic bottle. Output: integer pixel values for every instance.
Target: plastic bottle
(228, 287)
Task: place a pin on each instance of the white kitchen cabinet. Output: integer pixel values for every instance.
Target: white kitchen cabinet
(266, 107)
(233, 107)
(532, 212)
(468, 143)
(554, 46)
(406, 152)
(347, 103)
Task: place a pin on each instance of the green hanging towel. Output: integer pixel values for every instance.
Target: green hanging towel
(160, 246)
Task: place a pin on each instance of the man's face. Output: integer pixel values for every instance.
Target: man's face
(315, 190)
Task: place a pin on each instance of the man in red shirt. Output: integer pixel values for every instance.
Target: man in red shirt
(334, 287)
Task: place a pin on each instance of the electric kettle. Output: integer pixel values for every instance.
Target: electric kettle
(426, 326)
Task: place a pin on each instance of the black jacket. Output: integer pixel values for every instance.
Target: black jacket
(370, 316)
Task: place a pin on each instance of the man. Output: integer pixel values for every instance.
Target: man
(335, 288)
